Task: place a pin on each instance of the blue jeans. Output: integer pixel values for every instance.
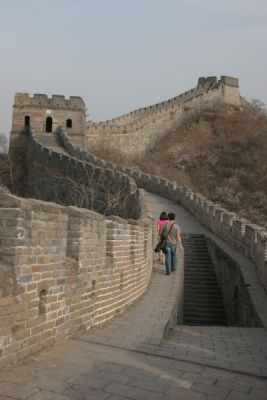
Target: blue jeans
(171, 257)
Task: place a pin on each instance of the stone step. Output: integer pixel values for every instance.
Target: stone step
(202, 291)
(206, 322)
(210, 312)
(199, 266)
(202, 295)
(191, 301)
(51, 141)
(195, 270)
(204, 278)
(203, 303)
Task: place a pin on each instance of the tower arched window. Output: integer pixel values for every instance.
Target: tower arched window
(49, 124)
(69, 123)
(27, 120)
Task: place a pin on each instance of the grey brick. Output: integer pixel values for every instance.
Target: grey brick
(17, 391)
(124, 390)
(155, 385)
(87, 381)
(198, 378)
(179, 393)
(85, 393)
(211, 390)
(46, 395)
(232, 384)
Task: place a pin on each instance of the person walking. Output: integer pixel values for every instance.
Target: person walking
(171, 230)
(163, 219)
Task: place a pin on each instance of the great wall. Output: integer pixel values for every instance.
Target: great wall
(66, 269)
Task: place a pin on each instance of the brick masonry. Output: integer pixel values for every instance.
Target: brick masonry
(249, 239)
(65, 269)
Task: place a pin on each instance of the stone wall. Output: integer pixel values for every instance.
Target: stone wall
(130, 134)
(247, 238)
(39, 107)
(65, 269)
(54, 176)
(238, 305)
(134, 133)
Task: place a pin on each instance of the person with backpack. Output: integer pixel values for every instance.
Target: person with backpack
(163, 219)
(171, 231)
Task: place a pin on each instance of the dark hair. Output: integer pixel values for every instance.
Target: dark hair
(171, 216)
(163, 216)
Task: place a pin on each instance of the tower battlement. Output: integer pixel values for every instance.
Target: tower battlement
(214, 82)
(56, 101)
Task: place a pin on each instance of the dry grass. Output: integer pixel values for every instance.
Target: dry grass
(221, 153)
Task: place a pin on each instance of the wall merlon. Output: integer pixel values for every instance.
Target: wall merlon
(228, 80)
(228, 218)
(219, 212)
(55, 101)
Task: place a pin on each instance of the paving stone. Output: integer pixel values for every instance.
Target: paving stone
(110, 376)
(17, 391)
(232, 384)
(199, 378)
(218, 373)
(248, 369)
(155, 385)
(179, 393)
(86, 393)
(259, 394)
(139, 373)
(124, 390)
(211, 390)
(15, 377)
(46, 395)
(186, 366)
(234, 395)
(54, 385)
(88, 381)
(160, 396)
(109, 366)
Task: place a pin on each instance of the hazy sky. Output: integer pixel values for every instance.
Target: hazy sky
(119, 55)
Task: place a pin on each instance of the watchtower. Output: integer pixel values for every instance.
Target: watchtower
(44, 115)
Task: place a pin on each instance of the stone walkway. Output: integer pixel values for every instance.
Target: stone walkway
(131, 357)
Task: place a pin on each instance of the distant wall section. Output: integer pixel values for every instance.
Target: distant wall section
(134, 133)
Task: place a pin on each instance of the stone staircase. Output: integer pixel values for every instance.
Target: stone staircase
(51, 141)
(202, 295)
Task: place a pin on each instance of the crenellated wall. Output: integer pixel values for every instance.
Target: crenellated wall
(130, 134)
(56, 176)
(247, 238)
(134, 133)
(64, 269)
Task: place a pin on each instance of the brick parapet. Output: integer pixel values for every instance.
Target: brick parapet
(53, 165)
(135, 120)
(248, 239)
(55, 101)
(65, 269)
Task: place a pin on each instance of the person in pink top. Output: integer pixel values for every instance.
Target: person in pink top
(163, 219)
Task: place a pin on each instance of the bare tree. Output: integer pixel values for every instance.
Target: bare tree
(258, 105)
(90, 190)
(7, 165)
